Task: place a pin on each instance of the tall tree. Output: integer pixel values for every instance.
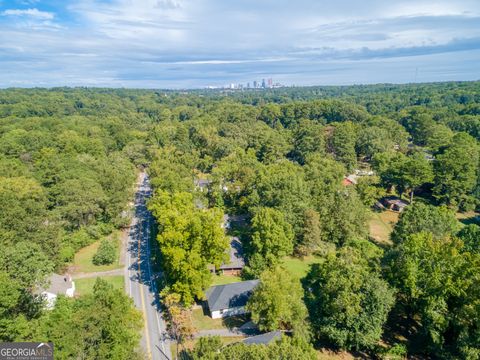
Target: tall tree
(272, 239)
(276, 303)
(438, 282)
(311, 239)
(416, 171)
(342, 144)
(456, 172)
(308, 137)
(419, 217)
(347, 301)
(190, 239)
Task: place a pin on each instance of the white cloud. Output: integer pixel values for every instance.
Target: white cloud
(34, 13)
(195, 42)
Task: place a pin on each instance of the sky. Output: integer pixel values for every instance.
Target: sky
(197, 43)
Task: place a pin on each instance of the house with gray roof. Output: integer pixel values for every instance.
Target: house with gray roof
(235, 255)
(230, 299)
(57, 285)
(264, 339)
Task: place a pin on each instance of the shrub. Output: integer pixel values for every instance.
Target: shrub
(105, 254)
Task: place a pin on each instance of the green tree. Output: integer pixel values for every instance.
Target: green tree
(438, 284)
(190, 239)
(456, 172)
(80, 201)
(105, 254)
(26, 264)
(369, 190)
(308, 137)
(272, 239)
(311, 239)
(470, 235)
(419, 217)
(347, 301)
(276, 302)
(296, 348)
(416, 171)
(282, 186)
(342, 144)
(104, 325)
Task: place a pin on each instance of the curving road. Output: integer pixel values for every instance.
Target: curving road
(139, 277)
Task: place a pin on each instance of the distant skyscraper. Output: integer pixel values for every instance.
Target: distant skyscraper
(255, 84)
(263, 84)
(270, 83)
(248, 85)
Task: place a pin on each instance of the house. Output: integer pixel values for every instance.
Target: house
(202, 184)
(394, 204)
(230, 299)
(236, 261)
(58, 285)
(264, 339)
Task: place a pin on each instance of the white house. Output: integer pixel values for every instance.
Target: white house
(230, 299)
(58, 285)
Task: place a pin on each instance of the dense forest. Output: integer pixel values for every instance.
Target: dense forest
(68, 163)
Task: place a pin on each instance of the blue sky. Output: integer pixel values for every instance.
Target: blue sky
(196, 43)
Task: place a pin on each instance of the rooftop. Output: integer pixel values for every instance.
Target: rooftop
(59, 284)
(235, 255)
(266, 338)
(230, 295)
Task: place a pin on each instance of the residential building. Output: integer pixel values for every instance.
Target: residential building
(230, 299)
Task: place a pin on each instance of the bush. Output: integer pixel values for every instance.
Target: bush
(105, 254)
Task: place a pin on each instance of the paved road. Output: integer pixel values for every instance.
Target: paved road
(139, 276)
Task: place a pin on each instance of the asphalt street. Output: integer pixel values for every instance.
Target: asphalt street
(140, 284)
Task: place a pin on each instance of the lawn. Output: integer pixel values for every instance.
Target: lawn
(225, 279)
(381, 225)
(205, 322)
(82, 262)
(85, 286)
(299, 267)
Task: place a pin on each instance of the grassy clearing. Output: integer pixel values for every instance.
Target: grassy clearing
(205, 322)
(82, 262)
(225, 279)
(85, 286)
(381, 226)
(299, 267)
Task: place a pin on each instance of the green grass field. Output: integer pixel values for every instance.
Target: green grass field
(381, 226)
(224, 279)
(85, 286)
(82, 262)
(299, 267)
(205, 322)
